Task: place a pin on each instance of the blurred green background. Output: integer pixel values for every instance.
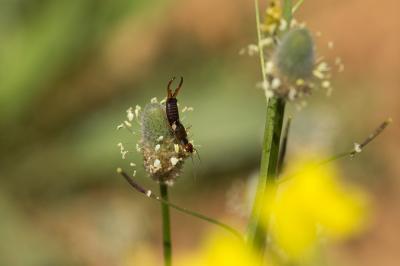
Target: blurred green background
(70, 69)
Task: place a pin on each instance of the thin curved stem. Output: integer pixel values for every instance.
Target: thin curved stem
(297, 6)
(151, 195)
(350, 153)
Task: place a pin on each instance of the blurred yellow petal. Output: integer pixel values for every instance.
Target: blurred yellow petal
(221, 249)
(310, 204)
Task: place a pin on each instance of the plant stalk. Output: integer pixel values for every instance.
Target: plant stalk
(257, 235)
(268, 170)
(166, 226)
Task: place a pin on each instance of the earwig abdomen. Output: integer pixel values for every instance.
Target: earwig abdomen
(181, 135)
(171, 109)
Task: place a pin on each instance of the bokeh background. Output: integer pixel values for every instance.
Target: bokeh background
(70, 69)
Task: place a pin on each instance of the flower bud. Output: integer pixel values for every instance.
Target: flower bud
(294, 57)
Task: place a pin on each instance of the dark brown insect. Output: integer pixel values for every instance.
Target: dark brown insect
(171, 109)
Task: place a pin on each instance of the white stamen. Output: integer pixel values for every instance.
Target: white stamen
(157, 163)
(129, 114)
(276, 83)
(252, 49)
(148, 193)
(266, 42)
(157, 148)
(154, 100)
(134, 173)
(269, 94)
(269, 67)
(169, 182)
(120, 126)
(160, 138)
(137, 110)
(132, 164)
(292, 94)
(326, 84)
(127, 124)
(174, 161)
(357, 148)
(283, 25)
(318, 74)
(323, 67)
(176, 147)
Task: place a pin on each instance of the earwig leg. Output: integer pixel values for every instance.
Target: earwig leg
(170, 95)
(197, 153)
(178, 88)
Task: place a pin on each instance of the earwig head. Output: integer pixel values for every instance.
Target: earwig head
(171, 94)
(189, 148)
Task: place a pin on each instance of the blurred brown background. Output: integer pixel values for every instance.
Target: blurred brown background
(70, 69)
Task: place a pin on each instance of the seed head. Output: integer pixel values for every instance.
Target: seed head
(294, 57)
(162, 161)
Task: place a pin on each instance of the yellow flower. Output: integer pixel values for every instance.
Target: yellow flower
(311, 204)
(273, 17)
(221, 249)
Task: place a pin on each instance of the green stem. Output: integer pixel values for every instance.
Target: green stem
(268, 169)
(256, 234)
(166, 226)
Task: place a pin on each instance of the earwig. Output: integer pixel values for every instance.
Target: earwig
(171, 109)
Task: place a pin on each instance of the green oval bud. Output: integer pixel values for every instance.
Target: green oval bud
(163, 157)
(294, 57)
